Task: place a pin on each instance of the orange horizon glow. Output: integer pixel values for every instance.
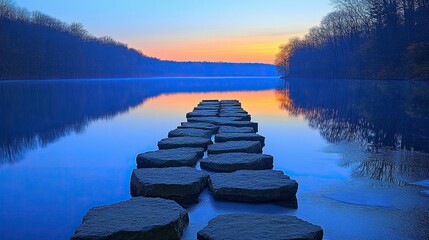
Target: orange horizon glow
(257, 103)
(260, 49)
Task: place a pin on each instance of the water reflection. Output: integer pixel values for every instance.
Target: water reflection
(38, 113)
(381, 128)
(53, 187)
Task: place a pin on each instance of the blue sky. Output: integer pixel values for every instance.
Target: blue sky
(213, 30)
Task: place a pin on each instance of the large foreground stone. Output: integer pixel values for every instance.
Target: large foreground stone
(139, 218)
(226, 137)
(253, 186)
(190, 132)
(182, 184)
(180, 142)
(259, 226)
(229, 129)
(199, 125)
(235, 146)
(176, 157)
(230, 162)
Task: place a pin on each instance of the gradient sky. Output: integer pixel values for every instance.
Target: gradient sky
(194, 30)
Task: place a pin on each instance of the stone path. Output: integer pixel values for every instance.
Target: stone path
(237, 171)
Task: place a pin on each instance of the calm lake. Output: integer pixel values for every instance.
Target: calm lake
(358, 149)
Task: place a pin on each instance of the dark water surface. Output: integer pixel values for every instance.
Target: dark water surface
(359, 150)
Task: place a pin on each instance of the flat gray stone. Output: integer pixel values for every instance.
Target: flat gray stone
(237, 123)
(242, 116)
(230, 104)
(231, 107)
(181, 142)
(204, 111)
(229, 129)
(176, 157)
(139, 218)
(206, 107)
(229, 101)
(199, 125)
(230, 162)
(202, 114)
(241, 111)
(190, 132)
(226, 137)
(214, 120)
(235, 146)
(208, 104)
(182, 184)
(259, 226)
(253, 186)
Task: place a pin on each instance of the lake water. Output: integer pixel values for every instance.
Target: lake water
(358, 149)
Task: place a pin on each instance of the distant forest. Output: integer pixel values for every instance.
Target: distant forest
(369, 39)
(34, 45)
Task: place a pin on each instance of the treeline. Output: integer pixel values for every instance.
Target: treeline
(371, 39)
(37, 46)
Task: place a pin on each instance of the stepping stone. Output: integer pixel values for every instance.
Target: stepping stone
(235, 146)
(226, 137)
(200, 125)
(139, 218)
(206, 111)
(231, 108)
(229, 129)
(176, 157)
(211, 100)
(237, 123)
(229, 101)
(230, 105)
(213, 120)
(202, 114)
(190, 132)
(242, 116)
(202, 108)
(259, 226)
(182, 184)
(253, 186)
(181, 142)
(230, 162)
(236, 111)
(208, 104)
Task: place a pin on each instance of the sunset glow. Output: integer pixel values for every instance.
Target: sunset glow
(189, 30)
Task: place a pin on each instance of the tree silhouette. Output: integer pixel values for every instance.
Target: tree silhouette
(386, 39)
(37, 46)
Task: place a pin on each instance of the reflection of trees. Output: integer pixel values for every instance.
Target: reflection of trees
(378, 115)
(38, 113)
